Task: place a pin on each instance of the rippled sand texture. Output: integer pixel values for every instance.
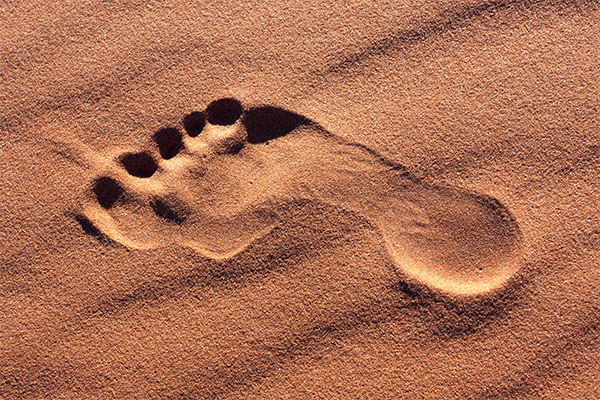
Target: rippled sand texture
(309, 200)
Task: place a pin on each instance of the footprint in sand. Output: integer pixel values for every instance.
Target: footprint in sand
(219, 186)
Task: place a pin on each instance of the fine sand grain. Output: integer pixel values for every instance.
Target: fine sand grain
(300, 199)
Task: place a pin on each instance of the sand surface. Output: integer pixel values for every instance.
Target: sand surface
(300, 199)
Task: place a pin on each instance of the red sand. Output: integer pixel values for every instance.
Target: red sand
(398, 200)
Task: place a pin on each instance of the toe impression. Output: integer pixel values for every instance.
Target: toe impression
(224, 131)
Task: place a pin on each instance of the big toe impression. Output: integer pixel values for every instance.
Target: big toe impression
(471, 245)
(224, 131)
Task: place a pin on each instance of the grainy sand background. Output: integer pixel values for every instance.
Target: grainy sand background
(492, 98)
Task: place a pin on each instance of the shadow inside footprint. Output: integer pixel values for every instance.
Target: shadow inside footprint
(163, 210)
(107, 191)
(169, 141)
(194, 123)
(224, 111)
(88, 227)
(267, 123)
(141, 165)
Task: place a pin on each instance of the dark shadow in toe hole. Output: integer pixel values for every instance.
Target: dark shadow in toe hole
(164, 211)
(169, 141)
(107, 191)
(141, 165)
(194, 122)
(266, 123)
(89, 228)
(224, 111)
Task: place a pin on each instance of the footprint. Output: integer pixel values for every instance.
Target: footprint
(221, 186)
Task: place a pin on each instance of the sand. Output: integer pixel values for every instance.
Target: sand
(300, 200)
